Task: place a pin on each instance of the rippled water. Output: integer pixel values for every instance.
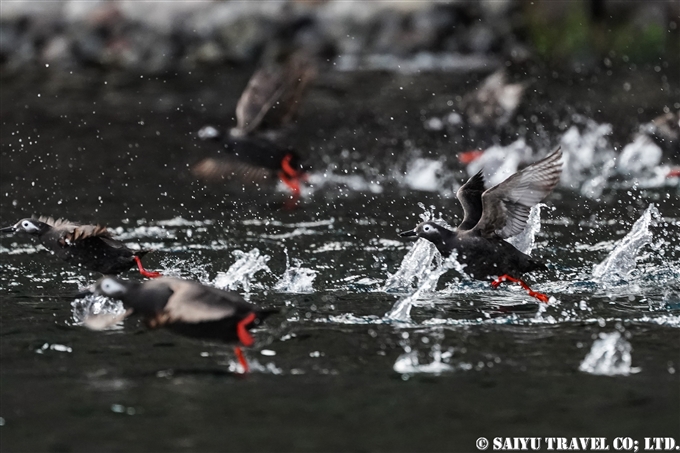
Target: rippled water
(378, 345)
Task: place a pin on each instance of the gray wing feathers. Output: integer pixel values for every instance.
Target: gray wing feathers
(507, 205)
(194, 303)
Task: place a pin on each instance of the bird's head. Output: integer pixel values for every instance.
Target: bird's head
(428, 230)
(28, 226)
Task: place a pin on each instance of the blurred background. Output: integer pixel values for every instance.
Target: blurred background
(103, 114)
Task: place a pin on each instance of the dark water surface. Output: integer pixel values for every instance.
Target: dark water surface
(117, 151)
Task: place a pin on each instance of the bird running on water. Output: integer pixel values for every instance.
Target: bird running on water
(183, 306)
(490, 217)
(88, 246)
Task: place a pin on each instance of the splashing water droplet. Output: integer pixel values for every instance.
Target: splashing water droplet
(242, 271)
(610, 355)
(91, 306)
(621, 261)
(296, 279)
(401, 311)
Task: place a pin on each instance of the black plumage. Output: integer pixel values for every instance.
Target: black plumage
(492, 215)
(90, 247)
(185, 307)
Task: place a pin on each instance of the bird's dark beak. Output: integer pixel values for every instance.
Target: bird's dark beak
(408, 234)
(9, 229)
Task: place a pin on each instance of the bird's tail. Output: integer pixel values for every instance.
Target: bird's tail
(141, 253)
(265, 313)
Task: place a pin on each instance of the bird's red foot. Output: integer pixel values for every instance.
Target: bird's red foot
(144, 272)
(241, 359)
(241, 330)
(673, 172)
(506, 278)
(293, 184)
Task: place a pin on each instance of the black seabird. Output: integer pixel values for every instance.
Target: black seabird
(492, 215)
(88, 246)
(268, 104)
(185, 307)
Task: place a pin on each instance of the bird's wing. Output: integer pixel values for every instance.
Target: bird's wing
(70, 232)
(506, 206)
(212, 169)
(274, 93)
(470, 197)
(193, 303)
(264, 90)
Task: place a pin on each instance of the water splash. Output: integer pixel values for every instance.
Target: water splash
(621, 261)
(93, 305)
(584, 152)
(408, 363)
(594, 186)
(610, 355)
(243, 270)
(296, 279)
(401, 311)
(414, 267)
(500, 162)
(524, 242)
(639, 157)
(423, 174)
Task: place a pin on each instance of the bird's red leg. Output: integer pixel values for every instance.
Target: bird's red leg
(245, 338)
(291, 178)
(506, 278)
(144, 272)
(243, 335)
(293, 184)
(241, 359)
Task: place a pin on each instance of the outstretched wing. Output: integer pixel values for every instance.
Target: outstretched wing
(470, 196)
(274, 92)
(506, 206)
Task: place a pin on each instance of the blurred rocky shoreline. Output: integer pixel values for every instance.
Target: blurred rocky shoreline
(159, 37)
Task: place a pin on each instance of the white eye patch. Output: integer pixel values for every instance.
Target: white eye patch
(109, 287)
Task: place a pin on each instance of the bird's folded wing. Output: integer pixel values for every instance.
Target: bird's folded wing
(506, 206)
(211, 169)
(194, 303)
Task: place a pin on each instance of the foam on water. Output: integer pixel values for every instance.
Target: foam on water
(242, 272)
(618, 266)
(610, 355)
